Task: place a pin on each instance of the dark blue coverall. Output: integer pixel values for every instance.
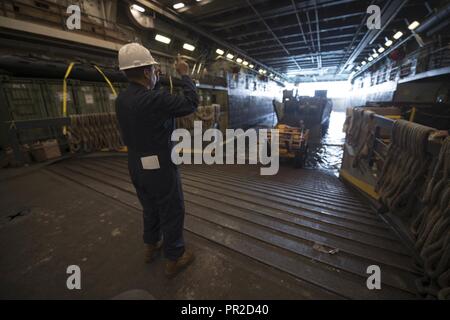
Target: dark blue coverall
(147, 120)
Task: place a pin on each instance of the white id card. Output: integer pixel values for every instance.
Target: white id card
(150, 163)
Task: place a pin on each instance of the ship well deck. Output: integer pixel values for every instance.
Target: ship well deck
(301, 234)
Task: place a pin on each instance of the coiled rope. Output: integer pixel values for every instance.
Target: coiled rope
(431, 230)
(405, 167)
(364, 135)
(94, 132)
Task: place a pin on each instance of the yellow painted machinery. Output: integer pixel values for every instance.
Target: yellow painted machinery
(293, 143)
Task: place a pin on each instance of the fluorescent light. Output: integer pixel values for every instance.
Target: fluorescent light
(363, 63)
(388, 43)
(162, 39)
(398, 35)
(245, 63)
(381, 50)
(138, 8)
(251, 66)
(261, 71)
(220, 52)
(264, 71)
(188, 47)
(230, 56)
(370, 59)
(414, 25)
(375, 55)
(178, 5)
(239, 60)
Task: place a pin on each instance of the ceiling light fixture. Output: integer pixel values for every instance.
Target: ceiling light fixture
(370, 59)
(251, 66)
(388, 42)
(239, 60)
(178, 5)
(245, 63)
(220, 52)
(381, 50)
(398, 35)
(230, 56)
(414, 25)
(162, 39)
(188, 47)
(138, 8)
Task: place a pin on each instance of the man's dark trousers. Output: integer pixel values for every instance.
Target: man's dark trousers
(161, 196)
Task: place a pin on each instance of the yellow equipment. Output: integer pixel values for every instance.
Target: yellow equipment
(293, 143)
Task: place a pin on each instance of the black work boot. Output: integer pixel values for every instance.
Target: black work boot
(152, 251)
(175, 267)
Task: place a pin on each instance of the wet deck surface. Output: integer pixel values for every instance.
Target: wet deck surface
(255, 237)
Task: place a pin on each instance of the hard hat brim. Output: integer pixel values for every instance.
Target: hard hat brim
(140, 66)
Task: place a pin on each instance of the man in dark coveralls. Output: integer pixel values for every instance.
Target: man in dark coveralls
(146, 118)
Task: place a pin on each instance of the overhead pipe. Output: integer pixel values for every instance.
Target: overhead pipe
(434, 19)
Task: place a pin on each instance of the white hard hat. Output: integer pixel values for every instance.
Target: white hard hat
(134, 55)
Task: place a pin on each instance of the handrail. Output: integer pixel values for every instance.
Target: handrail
(433, 146)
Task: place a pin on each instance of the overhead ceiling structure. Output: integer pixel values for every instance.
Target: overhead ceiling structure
(309, 40)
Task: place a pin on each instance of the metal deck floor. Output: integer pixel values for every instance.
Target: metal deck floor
(255, 237)
(277, 221)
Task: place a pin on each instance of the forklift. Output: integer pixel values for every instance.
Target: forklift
(300, 118)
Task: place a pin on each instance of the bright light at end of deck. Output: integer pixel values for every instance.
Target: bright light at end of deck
(162, 39)
(188, 47)
(138, 8)
(398, 35)
(220, 52)
(178, 5)
(414, 25)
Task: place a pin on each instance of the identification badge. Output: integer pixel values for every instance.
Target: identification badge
(150, 163)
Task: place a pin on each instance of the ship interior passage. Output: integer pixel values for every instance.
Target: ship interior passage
(318, 166)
